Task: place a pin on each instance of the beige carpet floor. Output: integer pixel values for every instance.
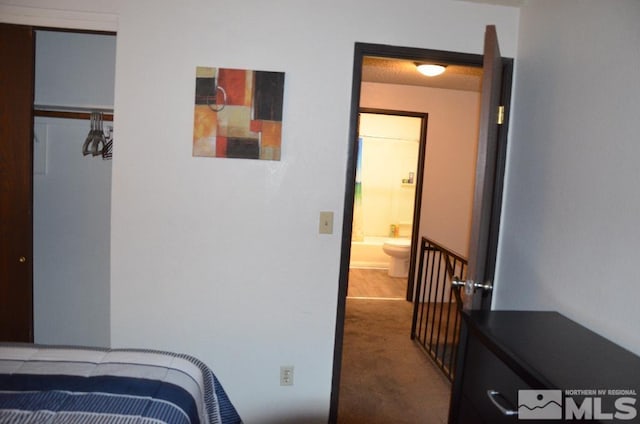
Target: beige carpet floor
(386, 378)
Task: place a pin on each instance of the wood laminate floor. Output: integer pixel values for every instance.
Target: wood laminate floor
(375, 283)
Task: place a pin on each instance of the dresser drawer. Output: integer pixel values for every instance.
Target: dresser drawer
(549, 352)
(467, 414)
(484, 373)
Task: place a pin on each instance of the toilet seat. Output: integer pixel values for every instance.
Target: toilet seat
(399, 242)
(399, 250)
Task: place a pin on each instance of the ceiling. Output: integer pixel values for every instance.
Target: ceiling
(404, 72)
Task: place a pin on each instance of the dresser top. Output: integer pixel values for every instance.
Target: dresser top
(551, 351)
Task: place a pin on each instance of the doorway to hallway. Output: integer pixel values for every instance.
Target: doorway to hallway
(444, 206)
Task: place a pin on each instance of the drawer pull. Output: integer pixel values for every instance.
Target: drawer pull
(493, 397)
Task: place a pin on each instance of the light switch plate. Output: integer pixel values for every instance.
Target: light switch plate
(326, 222)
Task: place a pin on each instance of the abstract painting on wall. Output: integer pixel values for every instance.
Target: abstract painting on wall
(238, 113)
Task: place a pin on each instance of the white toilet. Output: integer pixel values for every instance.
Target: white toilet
(399, 249)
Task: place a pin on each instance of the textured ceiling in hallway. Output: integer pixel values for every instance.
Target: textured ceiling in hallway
(404, 72)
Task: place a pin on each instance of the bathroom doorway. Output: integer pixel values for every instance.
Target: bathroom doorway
(391, 148)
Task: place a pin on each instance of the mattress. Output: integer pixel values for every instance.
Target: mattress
(46, 384)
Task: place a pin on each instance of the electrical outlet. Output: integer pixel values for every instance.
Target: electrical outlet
(286, 375)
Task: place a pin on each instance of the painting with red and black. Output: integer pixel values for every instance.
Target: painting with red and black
(238, 113)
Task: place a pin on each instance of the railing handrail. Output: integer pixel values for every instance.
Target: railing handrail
(446, 251)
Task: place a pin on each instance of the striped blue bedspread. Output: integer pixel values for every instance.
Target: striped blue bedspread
(45, 384)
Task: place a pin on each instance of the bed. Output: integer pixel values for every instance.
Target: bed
(46, 384)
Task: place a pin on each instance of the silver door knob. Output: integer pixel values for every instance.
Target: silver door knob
(22, 259)
(470, 286)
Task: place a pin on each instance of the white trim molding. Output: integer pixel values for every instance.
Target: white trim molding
(56, 18)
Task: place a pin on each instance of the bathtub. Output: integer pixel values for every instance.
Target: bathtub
(368, 253)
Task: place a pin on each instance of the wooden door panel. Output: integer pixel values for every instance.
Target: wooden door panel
(485, 168)
(17, 53)
(483, 206)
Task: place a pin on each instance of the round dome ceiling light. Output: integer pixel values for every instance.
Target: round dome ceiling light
(430, 70)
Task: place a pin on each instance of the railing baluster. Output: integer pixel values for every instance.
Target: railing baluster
(432, 255)
(433, 301)
(421, 297)
(447, 328)
(418, 289)
(440, 346)
(432, 323)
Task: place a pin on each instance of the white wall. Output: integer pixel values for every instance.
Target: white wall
(570, 229)
(221, 258)
(452, 138)
(71, 193)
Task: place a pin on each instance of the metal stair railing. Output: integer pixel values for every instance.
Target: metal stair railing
(436, 321)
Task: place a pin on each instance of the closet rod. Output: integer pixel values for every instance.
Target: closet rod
(70, 112)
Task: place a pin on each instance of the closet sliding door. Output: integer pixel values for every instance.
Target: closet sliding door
(17, 52)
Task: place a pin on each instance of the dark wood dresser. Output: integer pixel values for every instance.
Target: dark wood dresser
(574, 372)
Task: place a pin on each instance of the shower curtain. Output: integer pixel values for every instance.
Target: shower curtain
(357, 232)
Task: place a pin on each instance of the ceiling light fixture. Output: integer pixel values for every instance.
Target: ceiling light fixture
(430, 70)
